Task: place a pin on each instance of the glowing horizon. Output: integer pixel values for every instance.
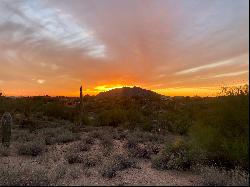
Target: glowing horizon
(174, 48)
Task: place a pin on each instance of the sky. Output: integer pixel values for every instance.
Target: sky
(174, 47)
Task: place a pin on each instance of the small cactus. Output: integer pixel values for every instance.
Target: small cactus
(6, 123)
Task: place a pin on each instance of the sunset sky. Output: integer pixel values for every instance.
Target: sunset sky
(174, 47)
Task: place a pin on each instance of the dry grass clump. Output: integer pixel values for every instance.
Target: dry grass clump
(118, 163)
(214, 176)
(33, 148)
(21, 175)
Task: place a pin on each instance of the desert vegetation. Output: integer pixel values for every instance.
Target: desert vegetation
(128, 136)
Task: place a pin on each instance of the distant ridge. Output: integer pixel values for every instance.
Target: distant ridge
(129, 92)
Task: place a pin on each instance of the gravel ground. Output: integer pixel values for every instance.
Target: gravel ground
(77, 174)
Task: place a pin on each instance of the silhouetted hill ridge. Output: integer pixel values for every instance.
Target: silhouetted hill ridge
(129, 92)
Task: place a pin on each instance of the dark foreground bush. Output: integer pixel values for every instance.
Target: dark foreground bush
(4, 151)
(87, 160)
(175, 156)
(34, 148)
(118, 163)
(73, 158)
(222, 132)
(144, 151)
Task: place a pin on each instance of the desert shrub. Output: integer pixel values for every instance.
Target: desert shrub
(79, 124)
(58, 135)
(176, 121)
(73, 158)
(222, 131)
(88, 140)
(176, 156)
(32, 148)
(96, 134)
(107, 143)
(112, 118)
(132, 141)
(83, 146)
(120, 134)
(59, 110)
(24, 176)
(137, 149)
(135, 118)
(88, 160)
(146, 125)
(66, 137)
(4, 151)
(144, 151)
(142, 137)
(213, 176)
(118, 163)
(91, 160)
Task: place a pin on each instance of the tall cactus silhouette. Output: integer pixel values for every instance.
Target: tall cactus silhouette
(6, 123)
(81, 106)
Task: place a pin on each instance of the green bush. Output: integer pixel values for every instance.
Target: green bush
(60, 111)
(112, 118)
(222, 132)
(175, 156)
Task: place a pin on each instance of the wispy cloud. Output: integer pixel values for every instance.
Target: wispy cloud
(230, 74)
(209, 66)
(163, 44)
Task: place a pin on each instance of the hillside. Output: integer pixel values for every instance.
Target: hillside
(129, 92)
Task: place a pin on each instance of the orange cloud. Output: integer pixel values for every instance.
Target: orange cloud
(52, 47)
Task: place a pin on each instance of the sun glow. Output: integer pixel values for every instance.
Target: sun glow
(105, 88)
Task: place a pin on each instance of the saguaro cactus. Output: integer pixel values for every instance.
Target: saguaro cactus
(81, 105)
(6, 123)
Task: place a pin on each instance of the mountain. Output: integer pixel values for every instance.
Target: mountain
(135, 92)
